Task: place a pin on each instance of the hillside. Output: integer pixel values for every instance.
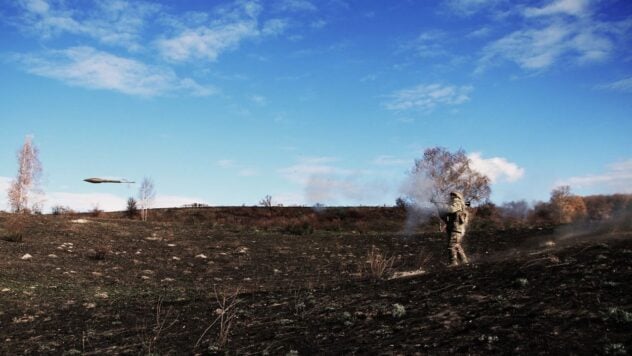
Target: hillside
(116, 286)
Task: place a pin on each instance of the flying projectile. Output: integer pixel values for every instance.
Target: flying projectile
(103, 180)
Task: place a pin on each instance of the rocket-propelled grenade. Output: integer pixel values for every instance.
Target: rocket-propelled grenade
(103, 180)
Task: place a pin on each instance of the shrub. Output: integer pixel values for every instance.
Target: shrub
(132, 208)
(96, 212)
(304, 228)
(15, 227)
(379, 265)
(61, 210)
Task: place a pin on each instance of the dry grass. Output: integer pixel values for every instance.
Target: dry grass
(380, 266)
(226, 315)
(15, 227)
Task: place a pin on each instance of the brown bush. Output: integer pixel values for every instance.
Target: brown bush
(15, 226)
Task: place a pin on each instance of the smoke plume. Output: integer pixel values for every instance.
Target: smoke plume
(418, 190)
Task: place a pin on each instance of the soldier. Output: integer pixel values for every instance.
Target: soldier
(455, 216)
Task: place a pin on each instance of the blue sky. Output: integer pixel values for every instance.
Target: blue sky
(224, 102)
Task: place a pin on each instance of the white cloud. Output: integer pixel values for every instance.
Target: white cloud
(226, 163)
(109, 202)
(623, 85)
(233, 25)
(616, 179)
(497, 169)
(89, 68)
(259, 100)
(274, 27)
(428, 44)
(426, 97)
(560, 7)
(242, 170)
(116, 23)
(562, 31)
(85, 201)
(470, 7)
(310, 166)
(386, 160)
(295, 6)
(322, 182)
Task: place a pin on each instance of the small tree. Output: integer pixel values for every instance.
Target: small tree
(146, 195)
(26, 183)
(266, 201)
(439, 172)
(132, 208)
(565, 206)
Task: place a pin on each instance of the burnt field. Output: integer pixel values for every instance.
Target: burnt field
(296, 281)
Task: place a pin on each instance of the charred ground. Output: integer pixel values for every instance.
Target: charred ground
(109, 285)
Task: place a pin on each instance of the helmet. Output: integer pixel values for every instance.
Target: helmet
(457, 194)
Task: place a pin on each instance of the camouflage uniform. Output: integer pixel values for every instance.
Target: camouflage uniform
(455, 216)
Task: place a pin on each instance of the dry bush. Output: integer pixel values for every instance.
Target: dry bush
(58, 210)
(226, 315)
(298, 226)
(379, 265)
(163, 321)
(96, 212)
(15, 227)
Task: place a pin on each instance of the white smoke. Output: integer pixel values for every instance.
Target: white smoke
(419, 190)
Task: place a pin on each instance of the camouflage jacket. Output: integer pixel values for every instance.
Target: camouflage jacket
(455, 215)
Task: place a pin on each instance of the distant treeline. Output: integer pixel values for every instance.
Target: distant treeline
(562, 208)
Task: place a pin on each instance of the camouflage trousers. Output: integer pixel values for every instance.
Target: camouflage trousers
(457, 254)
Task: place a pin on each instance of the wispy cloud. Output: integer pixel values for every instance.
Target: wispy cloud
(470, 7)
(386, 160)
(560, 7)
(324, 182)
(497, 169)
(231, 25)
(623, 85)
(428, 44)
(85, 201)
(616, 179)
(425, 97)
(560, 31)
(241, 170)
(259, 99)
(89, 68)
(295, 6)
(309, 166)
(116, 23)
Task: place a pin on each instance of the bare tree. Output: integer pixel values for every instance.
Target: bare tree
(266, 201)
(146, 195)
(439, 172)
(26, 184)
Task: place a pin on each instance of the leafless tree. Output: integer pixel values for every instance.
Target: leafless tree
(266, 201)
(146, 195)
(439, 172)
(25, 186)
